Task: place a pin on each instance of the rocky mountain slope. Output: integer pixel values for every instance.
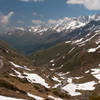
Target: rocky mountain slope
(70, 74)
(70, 70)
(77, 62)
(81, 34)
(20, 79)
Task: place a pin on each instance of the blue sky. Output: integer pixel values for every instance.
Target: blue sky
(30, 12)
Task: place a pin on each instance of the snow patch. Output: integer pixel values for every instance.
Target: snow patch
(93, 49)
(18, 66)
(79, 40)
(63, 74)
(54, 98)
(31, 77)
(96, 73)
(98, 41)
(18, 73)
(51, 61)
(56, 79)
(9, 98)
(67, 42)
(71, 87)
(34, 78)
(71, 50)
(87, 71)
(53, 65)
(61, 66)
(35, 97)
(82, 42)
(52, 69)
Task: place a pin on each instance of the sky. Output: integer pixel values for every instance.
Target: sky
(35, 12)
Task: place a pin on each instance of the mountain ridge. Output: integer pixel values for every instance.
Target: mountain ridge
(68, 70)
(21, 40)
(67, 23)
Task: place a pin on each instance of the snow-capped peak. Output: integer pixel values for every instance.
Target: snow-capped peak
(65, 24)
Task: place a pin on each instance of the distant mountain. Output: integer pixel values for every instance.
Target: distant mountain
(61, 25)
(80, 45)
(31, 39)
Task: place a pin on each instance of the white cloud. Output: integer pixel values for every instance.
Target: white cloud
(31, 0)
(51, 21)
(89, 4)
(4, 19)
(40, 22)
(37, 22)
(75, 1)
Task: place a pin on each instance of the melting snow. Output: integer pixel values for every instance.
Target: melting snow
(61, 66)
(97, 31)
(56, 79)
(53, 64)
(81, 45)
(31, 77)
(35, 97)
(87, 71)
(67, 42)
(56, 85)
(78, 78)
(96, 73)
(88, 39)
(18, 66)
(71, 50)
(63, 74)
(34, 78)
(52, 69)
(98, 41)
(99, 65)
(51, 61)
(93, 49)
(54, 98)
(9, 98)
(18, 74)
(79, 40)
(71, 87)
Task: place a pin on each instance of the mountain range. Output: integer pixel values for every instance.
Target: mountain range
(45, 36)
(62, 62)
